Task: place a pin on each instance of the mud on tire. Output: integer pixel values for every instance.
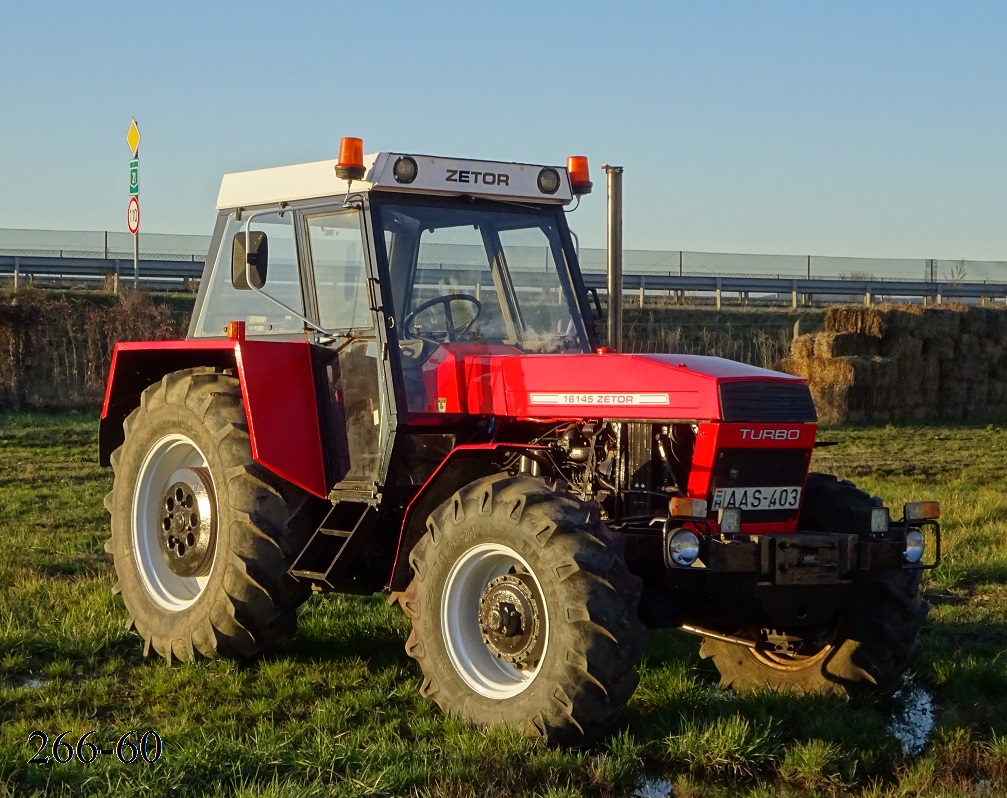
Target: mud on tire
(568, 665)
(188, 438)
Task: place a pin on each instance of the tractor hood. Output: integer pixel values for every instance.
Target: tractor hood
(497, 380)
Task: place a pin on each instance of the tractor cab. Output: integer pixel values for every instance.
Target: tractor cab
(408, 274)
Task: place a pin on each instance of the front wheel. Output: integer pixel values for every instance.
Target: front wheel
(524, 613)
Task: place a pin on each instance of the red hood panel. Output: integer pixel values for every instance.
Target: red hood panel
(459, 379)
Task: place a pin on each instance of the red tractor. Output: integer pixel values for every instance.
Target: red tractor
(393, 379)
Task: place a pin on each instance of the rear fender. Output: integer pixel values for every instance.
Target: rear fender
(463, 465)
(277, 386)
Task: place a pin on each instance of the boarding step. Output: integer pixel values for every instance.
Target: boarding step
(332, 547)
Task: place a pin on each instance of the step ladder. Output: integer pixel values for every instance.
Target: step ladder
(334, 544)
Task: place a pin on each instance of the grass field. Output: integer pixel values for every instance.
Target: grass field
(336, 711)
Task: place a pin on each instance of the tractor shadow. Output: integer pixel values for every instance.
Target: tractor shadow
(338, 627)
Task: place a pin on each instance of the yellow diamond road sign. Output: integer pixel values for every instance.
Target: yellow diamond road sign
(133, 137)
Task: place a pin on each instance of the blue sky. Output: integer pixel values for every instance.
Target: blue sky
(780, 127)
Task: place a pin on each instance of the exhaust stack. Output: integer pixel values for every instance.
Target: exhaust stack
(614, 256)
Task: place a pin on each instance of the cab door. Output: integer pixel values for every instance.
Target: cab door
(351, 358)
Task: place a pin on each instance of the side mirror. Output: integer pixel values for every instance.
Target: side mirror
(255, 259)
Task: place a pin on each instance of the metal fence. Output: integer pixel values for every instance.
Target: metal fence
(176, 261)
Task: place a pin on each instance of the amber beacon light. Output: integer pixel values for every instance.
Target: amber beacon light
(350, 165)
(580, 178)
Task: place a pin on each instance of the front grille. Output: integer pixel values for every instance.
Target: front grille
(750, 468)
(769, 401)
(641, 466)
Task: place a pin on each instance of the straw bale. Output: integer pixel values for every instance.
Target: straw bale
(902, 321)
(910, 370)
(951, 397)
(802, 348)
(841, 344)
(938, 349)
(867, 321)
(977, 321)
(992, 350)
(940, 323)
(998, 324)
(923, 412)
(929, 386)
(884, 373)
(967, 347)
(976, 399)
(831, 403)
(996, 396)
(831, 381)
(832, 370)
(966, 370)
(875, 387)
(793, 365)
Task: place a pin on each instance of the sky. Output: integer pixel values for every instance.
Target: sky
(854, 128)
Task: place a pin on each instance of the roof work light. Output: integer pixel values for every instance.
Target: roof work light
(580, 178)
(350, 165)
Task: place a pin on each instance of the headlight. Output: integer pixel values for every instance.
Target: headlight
(915, 545)
(683, 547)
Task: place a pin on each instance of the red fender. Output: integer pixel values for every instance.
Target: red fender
(277, 385)
(455, 470)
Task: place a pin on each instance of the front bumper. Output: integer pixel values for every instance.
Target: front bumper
(778, 580)
(810, 558)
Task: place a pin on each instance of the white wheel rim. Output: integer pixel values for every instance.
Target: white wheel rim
(164, 460)
(471, 658)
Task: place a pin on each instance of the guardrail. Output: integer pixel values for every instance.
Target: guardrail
(21, 269)
(168, 274)
(803, 289)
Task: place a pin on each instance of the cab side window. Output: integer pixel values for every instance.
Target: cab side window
(337, 254)
(223, 302)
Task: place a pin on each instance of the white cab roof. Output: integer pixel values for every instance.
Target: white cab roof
(444, 176)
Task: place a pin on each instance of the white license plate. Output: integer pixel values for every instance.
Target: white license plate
(781, 498)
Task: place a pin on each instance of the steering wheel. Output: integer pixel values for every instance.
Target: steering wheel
(452, 333)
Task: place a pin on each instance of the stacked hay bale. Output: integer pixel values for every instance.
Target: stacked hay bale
(904, 363)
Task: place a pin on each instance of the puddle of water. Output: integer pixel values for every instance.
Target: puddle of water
(33, 684)
(654, 788)
(913, 724)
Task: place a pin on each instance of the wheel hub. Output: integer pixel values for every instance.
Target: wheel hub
(510, 620)
(188, 522)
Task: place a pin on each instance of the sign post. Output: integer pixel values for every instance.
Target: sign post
(133, 209)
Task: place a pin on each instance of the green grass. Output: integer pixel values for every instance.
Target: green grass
(336, 709)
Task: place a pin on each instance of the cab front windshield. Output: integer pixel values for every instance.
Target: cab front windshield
(479, 275)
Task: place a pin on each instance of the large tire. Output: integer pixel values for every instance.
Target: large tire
(870, 644)
(563, 667)
(202, 536)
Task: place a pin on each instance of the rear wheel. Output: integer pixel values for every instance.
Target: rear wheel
(202, 536)
(870, 644)
(523, 611)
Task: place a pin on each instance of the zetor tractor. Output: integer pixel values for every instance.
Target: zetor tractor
(393, 379)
